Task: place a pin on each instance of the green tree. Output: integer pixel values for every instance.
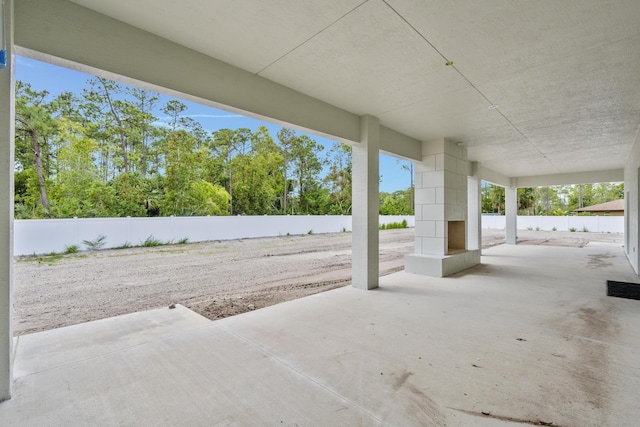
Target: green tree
(131, 195)
(538, 201)
(339, 180)
(492, 199)
(174, 109)
(143, 132)
(185, 191)
(35, 127)
(592, 194)
(526, 201)
(287, 139)
(408, 166)
(27, 195)
(396, 203)
(78, 190)
(229, 147)
(258, 179)
(549, 201)
(106, 155)
(203, 198)
(307, 168)
(114, 118)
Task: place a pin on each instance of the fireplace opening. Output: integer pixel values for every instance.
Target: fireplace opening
(456, 240)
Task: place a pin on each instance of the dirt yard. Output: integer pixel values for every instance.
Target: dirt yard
(215, 279)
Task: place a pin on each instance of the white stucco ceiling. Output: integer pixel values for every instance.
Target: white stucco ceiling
(565, 74)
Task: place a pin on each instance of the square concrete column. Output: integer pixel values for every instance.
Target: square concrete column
(441, 211)
(365, 205)
(7, 114)
(511, 214)
(474, 208)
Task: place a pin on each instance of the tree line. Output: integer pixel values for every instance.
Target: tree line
(104, 153)
(554, 200)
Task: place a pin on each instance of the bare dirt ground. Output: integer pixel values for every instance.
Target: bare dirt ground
(215, 279)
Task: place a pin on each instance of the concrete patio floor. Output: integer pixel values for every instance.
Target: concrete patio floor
(528, 337)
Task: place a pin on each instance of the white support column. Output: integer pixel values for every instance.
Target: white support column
(365, 205)
(511, 213)
(474, 206)
(7, 98)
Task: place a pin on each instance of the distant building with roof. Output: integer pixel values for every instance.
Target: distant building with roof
(613, 208)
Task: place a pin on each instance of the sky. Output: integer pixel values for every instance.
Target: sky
(55, 79)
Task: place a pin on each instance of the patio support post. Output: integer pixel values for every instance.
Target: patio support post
(474, 206)
(7, 114)
(511, 213)
(365, 205)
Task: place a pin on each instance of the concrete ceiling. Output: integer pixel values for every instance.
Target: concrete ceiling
(564, 74)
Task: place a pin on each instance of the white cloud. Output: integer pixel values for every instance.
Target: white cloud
(205, 116)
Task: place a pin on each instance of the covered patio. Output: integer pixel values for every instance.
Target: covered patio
(526, 338)
(518, 94)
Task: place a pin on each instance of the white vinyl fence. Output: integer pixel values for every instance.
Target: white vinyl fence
(596, 224)
(41, 236)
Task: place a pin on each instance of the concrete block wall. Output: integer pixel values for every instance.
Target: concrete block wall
(441, 194)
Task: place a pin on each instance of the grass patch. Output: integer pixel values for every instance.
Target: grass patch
(394, 225)
(125, 245)
(585, 229)
(50, 259)
(573, 229)
(96, 244)
(310, 232)
(554, 229)
(151, 242)
(183, 241)
(71, 249)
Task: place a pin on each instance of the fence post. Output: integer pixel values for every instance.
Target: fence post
(76, 230)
